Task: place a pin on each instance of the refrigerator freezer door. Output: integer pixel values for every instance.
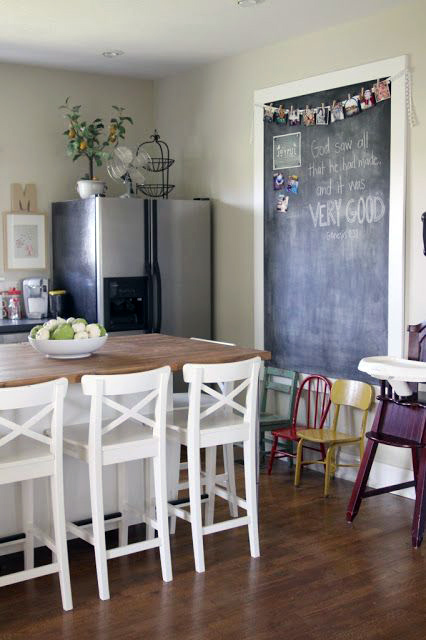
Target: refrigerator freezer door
(184, 257)
(74, 255)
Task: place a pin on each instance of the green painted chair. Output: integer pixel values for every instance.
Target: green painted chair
(278, 381)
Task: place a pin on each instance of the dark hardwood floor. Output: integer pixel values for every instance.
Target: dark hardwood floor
(317, 578)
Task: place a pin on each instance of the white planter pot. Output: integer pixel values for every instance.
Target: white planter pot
(87, 188)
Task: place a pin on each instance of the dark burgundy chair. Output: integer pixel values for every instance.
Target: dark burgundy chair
(398, 423)
(315, 390)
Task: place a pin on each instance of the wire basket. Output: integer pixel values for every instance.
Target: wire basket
(155, 190)
(160, 162)
(157, 165)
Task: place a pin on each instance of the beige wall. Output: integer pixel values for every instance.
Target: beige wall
(32, 147)
(206, 116)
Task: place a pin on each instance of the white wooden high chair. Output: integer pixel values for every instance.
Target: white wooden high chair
(224, 422)
(25, 455)
(133, 435)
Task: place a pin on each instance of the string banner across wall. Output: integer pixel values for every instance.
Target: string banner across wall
(324, 114)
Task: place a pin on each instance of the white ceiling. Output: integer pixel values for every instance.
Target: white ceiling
(159, 37)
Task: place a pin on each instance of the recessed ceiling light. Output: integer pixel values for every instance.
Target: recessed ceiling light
(113, 53)
(248, 3)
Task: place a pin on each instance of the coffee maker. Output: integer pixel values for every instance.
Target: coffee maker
(35, 292)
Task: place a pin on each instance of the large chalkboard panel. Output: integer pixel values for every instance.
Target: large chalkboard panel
(326, 258)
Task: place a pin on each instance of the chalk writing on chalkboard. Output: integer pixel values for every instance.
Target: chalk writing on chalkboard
(345, 198)
(287, 151)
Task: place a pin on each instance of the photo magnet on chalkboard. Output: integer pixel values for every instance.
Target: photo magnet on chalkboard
(278, 181)
(282, 204)
(293, 184)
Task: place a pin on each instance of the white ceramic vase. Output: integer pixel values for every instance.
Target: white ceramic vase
(87, 188)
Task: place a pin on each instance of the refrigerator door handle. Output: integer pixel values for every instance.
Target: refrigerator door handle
(148, 267)
(156, 266)
(157, 276)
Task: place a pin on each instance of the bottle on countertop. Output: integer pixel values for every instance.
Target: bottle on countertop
(14, 304)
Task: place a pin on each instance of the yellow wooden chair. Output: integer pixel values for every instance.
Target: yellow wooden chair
(349, 393)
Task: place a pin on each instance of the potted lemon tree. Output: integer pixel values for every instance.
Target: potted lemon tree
(90, 140)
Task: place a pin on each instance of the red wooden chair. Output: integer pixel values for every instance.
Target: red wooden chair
(316, 390)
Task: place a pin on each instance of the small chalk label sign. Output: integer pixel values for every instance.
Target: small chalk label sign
(287, 151)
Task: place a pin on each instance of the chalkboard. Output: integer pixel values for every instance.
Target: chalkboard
(326, 249)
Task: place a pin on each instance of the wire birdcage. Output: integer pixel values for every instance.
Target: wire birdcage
(160, 162)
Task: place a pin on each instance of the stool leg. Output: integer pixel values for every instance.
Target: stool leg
(160, 483)
(420, 506)
(299, 459)
(194, 472)
(149, 502)
(290, 448)
(415, 458)
(228, 460)
(251, 495)
(123, 527)
(60, 532)
(175, 495)
(210, 484)
(272, 454)
(97, 502)
(27, 501)
(328, 469)
(361, 480)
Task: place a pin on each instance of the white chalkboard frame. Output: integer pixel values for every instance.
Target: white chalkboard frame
(394, 68)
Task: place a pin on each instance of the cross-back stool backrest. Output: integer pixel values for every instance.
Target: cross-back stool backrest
(233, 378)
(47, 399)
(224, 344)
(315, 390)
(351, 393)
(149, 386)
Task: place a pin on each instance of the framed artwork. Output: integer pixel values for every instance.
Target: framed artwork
(24, 241)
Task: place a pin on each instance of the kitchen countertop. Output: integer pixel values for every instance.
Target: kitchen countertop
(19, 326)
(20, 364)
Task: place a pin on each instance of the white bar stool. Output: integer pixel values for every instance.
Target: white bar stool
(26, 455)
(224, 422)
(130, 436)
(227, 479)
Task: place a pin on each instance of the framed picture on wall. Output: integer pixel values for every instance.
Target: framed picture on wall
(24, 241)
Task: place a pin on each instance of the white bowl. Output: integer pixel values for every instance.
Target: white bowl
(68, 349)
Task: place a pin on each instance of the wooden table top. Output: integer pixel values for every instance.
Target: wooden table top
(20, 364)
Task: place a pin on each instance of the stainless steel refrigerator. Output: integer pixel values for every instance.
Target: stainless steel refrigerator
(135, 264)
